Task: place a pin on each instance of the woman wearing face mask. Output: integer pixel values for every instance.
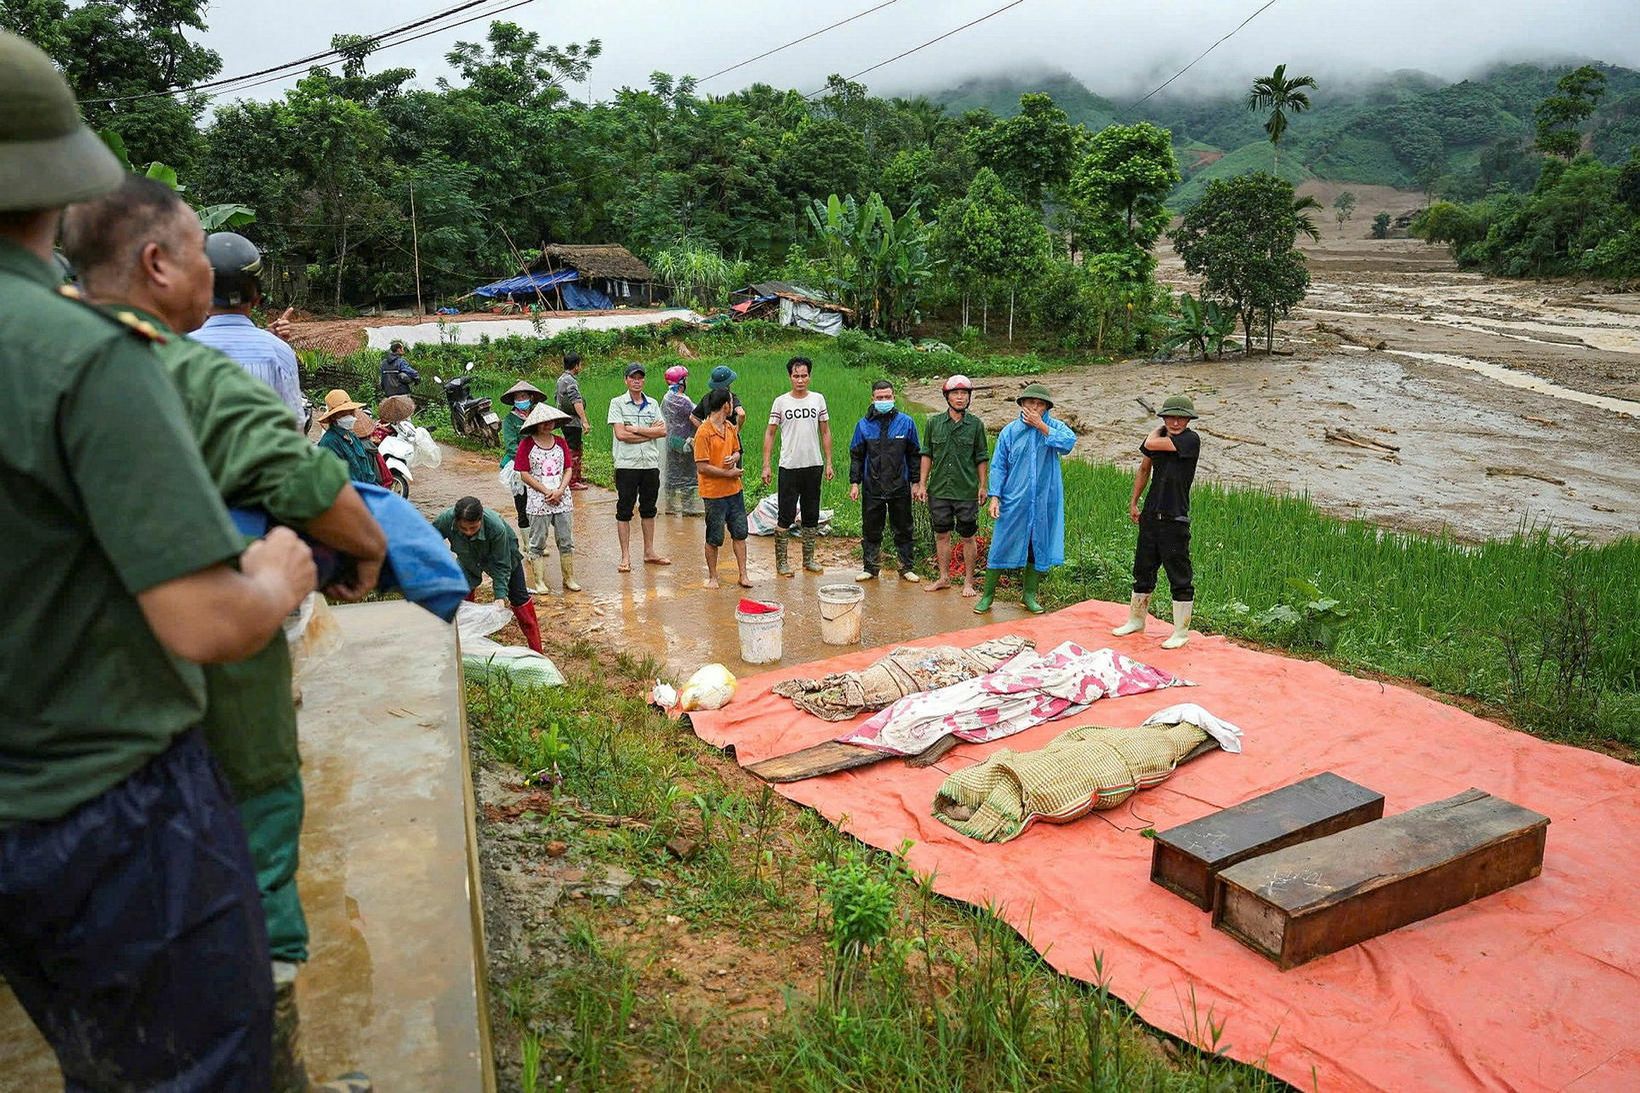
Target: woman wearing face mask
(341, 414)
(523, 397)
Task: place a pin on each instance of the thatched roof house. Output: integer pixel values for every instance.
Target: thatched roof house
(593, 261)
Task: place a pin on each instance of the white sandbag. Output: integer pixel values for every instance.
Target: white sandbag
(708, 689)
(481, 658)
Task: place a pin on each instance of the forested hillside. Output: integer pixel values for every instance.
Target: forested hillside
(1408, 130)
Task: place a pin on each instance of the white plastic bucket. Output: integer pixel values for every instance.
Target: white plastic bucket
(841, 608)
(760, 634)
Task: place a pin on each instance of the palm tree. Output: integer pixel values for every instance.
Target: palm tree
(1302, 206)
(1279, 95)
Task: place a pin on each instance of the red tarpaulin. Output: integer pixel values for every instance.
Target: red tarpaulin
(1535, 988)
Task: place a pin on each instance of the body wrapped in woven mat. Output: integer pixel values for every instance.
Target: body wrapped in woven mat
(1080, 771)
(904, 670)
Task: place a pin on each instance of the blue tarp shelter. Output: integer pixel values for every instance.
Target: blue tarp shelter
(525, 285)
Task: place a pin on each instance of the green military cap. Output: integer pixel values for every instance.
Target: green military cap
(1178, 406)
(1035, 390)
(48, 156)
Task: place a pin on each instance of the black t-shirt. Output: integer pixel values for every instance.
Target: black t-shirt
(1171, 474)
(734, 409)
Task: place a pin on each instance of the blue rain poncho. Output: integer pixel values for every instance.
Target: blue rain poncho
(1025, 475)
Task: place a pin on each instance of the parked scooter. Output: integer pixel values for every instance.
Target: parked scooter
(405, 446)
(470, 416)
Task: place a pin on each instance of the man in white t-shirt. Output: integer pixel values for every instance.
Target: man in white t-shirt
(639, 431)
(805, 459)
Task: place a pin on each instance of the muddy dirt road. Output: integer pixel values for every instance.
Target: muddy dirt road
(1476, 452)
(664, 610)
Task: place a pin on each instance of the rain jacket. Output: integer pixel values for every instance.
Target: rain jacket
(396, 376)
(884, 456)
(1025, 474)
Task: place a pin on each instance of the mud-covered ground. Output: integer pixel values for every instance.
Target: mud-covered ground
(1395, 344)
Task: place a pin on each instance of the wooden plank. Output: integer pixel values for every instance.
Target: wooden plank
(1187, 859)
(811, 762)
(1325, 895)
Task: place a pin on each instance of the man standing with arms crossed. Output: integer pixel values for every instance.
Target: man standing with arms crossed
(130, 925)
(136, 253)
(1168, 464)
(804, 425)
(955, 461)
(639, 432)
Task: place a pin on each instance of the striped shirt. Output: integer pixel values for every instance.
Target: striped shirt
(257, 352)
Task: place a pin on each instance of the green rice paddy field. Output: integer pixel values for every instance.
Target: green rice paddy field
(1538, 626)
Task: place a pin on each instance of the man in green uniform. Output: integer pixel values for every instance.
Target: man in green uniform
(483, 543)
(131, 930)
(136, 251)
(955, 461)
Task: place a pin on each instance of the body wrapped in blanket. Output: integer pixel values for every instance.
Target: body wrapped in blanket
(905, 670)
(1081, 770)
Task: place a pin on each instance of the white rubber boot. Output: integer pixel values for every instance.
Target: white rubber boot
(1137, 606)
(1181, 624)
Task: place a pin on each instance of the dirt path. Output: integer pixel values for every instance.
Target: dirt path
(1477, 453)
(665, 612)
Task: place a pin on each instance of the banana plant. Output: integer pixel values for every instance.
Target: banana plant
(1201, 324)
(211, 217)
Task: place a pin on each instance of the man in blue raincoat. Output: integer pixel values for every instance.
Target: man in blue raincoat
(1027, 497)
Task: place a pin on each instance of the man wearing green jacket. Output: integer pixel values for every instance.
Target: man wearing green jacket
(134, 250)
(483, 543)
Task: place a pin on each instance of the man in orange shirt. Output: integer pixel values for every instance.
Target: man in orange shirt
(718, 466)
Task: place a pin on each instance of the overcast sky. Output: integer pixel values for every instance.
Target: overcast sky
(1118, 47)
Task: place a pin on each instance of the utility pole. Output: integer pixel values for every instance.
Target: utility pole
(415, 244)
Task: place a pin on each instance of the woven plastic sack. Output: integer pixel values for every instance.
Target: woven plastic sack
(710, 688)
(483, 659)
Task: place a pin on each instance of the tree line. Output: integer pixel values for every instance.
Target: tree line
(895, 205)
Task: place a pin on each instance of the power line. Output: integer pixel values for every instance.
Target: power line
(1204, 53)
(281, 71)
(402, 41)
(795, 41)
(925, 45)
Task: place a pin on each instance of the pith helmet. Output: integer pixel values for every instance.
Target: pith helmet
(48, 156)
(236, 265)
(1177, 406)
(1036, 390)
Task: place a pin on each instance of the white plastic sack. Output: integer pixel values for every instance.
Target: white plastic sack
(765, 516)
(428, 453)
(481, 657)
(509, 480)
(311, 631)
(477, 621)
(708, 689)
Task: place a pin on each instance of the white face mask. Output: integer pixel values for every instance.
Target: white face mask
(346, 422)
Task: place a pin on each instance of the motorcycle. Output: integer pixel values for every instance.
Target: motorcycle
(404, 446)
(470, 416)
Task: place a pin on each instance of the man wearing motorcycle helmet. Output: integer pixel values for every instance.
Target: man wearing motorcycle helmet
(236, 266)
(955, 462)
